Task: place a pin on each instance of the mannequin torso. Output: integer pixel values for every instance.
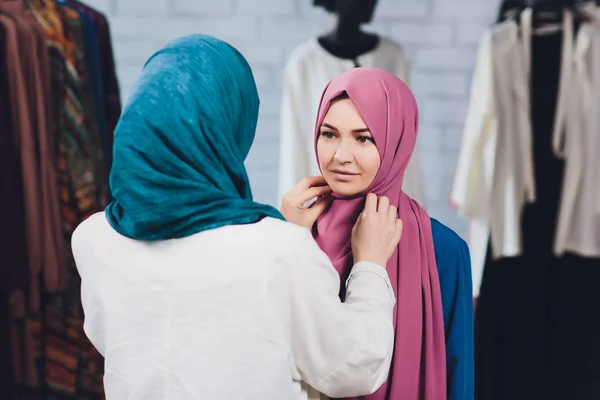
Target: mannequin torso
(349, 49)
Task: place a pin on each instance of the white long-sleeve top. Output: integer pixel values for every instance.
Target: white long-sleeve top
(239, 312)
(308, 70)
(494, 175)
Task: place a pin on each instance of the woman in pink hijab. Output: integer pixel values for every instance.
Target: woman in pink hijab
(366, 131)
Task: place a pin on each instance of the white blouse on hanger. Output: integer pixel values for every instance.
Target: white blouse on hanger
(495, 173)
(486, 188)
(308, 70)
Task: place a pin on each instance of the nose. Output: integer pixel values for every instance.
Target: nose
(343, 154)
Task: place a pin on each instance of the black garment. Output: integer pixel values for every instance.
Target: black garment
(537, 325)
(349, 50)
(8, 387)
(13, 264)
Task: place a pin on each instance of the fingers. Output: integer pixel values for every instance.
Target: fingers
(392, 214)
(313, 192)
(305, 190)
(371, 204)
(320, 206)
(310, 181)
(400, 226)
(383, 206)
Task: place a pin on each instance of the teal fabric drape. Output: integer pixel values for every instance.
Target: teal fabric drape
(180, 145)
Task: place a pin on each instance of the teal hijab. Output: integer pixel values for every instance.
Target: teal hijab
(180, 144)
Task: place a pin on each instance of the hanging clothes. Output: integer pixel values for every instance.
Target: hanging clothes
(497, 135)
(308, 70)
(59, 102)
(494, 175)
(109, 103)
(526, 181)
(14, 274)
(22, 74)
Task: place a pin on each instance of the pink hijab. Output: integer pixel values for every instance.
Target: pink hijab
(390, 111)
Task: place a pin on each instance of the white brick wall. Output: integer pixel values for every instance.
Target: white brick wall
(440, 38)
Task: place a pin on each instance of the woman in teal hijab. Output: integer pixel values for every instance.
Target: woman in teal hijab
(190, 289)
(180, 145)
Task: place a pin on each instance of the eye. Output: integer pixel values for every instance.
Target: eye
(365, 139)
(327, 134)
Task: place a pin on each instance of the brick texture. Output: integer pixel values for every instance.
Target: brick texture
(439, 36)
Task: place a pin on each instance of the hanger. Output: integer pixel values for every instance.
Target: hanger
(548, 14)
(575, 6)
(510, 9)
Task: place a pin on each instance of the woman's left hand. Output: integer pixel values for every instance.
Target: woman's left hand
(292, 203)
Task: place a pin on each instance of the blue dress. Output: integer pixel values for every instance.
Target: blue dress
(454, 269)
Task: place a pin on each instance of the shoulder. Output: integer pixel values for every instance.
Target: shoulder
(302, 55)
(391, 48)
(452, 259)
(443, 234)
(96, 226)
(292, 246)
(390, 56)
(94, 241)
(450, 248)
(285, 236)
(390, 45)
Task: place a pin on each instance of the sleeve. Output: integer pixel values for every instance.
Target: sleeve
(93, 323)
(293, 161)
(598, 183)
(481, 124)
(596, 117)
(402, 69)
(340, 349)
(455, 281)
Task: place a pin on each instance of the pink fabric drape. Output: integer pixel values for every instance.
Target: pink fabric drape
(389, 109)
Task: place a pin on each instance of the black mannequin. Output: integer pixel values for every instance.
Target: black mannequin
(348, 41)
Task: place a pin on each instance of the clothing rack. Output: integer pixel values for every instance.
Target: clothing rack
(536, 272)
(512, 9)
(49, 48)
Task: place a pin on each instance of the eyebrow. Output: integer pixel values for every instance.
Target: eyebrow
(360, 130)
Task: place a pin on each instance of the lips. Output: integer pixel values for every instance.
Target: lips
(343, 176)
(342, 172)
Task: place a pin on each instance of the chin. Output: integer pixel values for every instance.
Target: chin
(346, 190)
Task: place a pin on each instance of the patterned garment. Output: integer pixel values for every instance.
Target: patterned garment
(110, 85)
(89, 109)
(77, 154)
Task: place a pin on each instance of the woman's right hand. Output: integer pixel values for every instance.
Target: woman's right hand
(292, 203)
(377, 231)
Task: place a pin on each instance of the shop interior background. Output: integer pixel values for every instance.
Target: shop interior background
(439, 38)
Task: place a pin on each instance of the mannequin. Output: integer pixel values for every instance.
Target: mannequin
(309, 69)
(347, 40)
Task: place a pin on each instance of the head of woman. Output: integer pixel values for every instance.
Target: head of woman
(358, 134)
(181, 141)
(346, 149)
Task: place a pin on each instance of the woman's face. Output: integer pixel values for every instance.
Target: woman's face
(348, 157)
